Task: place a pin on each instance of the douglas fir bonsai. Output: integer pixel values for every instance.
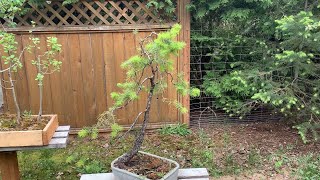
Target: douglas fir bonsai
(148, 72)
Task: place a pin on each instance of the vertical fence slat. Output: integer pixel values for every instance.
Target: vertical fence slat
(108, 56)
(184, 65)
(31, 72)
(56, 82)
(68, 115)
(79, 112)
(22, 80)
(130, 50)
(118, 51)
(99, 73)
(47, 97)
(88, 78)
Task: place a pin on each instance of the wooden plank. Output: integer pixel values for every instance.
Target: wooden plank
(56, 81)
(9, 168)
(184, 65)
(60, 134)
(143, 95)
(63, 128)
(31, 73)
(47, 97)
(50, 129)
(67, 100)
(99, 73)
(91, 29)
(129, 51)
(22, 80)
(21, 138)
(118, 71)
(88, 79)
(78, 107)
(55, 143)
(108, 55)
(58, 143)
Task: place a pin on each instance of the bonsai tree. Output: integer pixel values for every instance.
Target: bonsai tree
(13, 62)
(148, 71)
(11, 57)
(46, 64)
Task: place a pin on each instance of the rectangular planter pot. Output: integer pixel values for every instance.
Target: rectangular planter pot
(121, 174)
(32, 137)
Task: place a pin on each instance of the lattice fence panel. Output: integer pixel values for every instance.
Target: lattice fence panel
(88, 13)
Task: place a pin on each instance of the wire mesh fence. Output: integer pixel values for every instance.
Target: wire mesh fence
(203, 109)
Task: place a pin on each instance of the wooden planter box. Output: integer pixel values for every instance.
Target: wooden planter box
(32, 137)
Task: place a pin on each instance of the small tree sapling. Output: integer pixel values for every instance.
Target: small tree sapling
(11, 57)
(148, 71)
(46, 64)
(13, 62)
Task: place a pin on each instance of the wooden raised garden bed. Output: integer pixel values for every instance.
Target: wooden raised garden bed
(31, 137)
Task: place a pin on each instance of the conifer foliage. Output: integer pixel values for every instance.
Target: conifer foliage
(148, 71)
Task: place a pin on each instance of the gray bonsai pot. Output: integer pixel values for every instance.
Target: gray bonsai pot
(121, 174)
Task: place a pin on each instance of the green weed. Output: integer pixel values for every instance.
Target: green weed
(179, 129)
(309, 167)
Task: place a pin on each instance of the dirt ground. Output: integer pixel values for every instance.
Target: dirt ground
(271, 141)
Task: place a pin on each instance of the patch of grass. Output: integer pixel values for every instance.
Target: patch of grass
(81, 156)
(308, 167)
(198, 149)
(179, 129)
(254, 158)
(231, 166)
(226, 138)
(279, 159)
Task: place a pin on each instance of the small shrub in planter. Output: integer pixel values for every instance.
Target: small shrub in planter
(18, 129)
(147, 71)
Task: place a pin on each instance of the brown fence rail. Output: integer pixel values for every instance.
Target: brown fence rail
(96, 38)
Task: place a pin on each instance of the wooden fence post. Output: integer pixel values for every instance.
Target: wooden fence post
(184, 64)
(9, 166)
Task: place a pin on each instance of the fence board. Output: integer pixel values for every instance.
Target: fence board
(31, 72)
(66, 85)
(21, 78)
(130, 50)
(47, 96)
(79, 112)
(99, 73)
(88, 77)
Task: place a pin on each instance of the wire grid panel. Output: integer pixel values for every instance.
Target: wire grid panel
(203, 111)
(86, 13)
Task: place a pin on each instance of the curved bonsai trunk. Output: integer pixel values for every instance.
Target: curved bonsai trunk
(139, 139)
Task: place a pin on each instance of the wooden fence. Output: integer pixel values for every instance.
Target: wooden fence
(96, 37)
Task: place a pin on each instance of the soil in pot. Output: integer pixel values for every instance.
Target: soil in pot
(8, 123)
(147, 166)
